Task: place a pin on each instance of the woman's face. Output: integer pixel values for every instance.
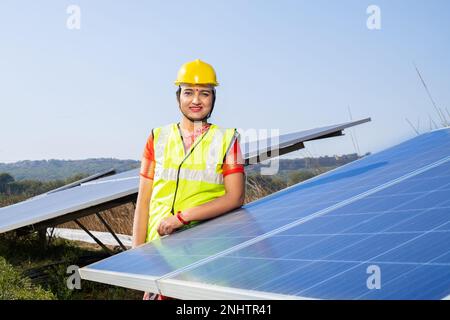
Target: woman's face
(196, 101)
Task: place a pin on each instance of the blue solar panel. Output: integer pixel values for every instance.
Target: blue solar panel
(317, 238)
(404, 229)
(62, 202)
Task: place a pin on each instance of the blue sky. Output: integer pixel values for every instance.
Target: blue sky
(288, 65)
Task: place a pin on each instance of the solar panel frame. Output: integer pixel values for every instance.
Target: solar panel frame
(265, 149)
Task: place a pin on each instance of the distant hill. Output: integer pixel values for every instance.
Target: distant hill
(53, 169)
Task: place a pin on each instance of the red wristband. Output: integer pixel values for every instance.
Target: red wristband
(181, 219)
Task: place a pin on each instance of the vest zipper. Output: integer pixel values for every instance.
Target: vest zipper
(176, 188)
(179, 167)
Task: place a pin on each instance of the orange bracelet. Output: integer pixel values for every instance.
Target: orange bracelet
(181, 219)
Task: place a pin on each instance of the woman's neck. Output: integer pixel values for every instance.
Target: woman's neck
(190, 126)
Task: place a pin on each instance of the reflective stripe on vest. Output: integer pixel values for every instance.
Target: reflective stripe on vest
(186, 179)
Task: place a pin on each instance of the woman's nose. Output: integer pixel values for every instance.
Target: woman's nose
(196, 99)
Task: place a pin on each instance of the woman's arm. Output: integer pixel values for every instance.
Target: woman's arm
(232, 199)
(141, 213)
(140, 221)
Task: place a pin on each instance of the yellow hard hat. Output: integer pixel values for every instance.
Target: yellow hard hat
(196, 72)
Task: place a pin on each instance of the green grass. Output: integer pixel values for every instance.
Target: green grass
(23, 256)
(13, 286)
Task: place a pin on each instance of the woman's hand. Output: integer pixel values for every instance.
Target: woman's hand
(169, 225)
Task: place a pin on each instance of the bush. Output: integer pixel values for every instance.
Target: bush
(15, 287)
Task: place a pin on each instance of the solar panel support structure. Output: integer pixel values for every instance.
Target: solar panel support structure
(107, 226)
(77, 214)
(101, 244)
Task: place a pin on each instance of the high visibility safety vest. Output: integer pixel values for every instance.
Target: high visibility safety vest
(183, 180)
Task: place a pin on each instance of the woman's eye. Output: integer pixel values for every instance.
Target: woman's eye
(187, 93)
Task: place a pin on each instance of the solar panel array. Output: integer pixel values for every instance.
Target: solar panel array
(383, 220)
(125, 184)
